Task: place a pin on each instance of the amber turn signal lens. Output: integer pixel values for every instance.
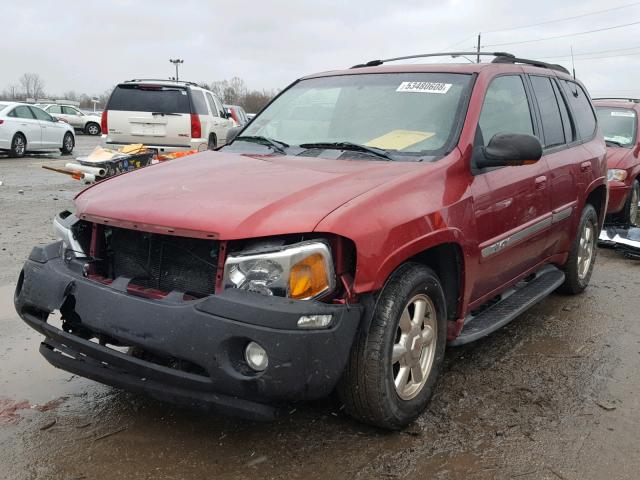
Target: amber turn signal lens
(308, 277)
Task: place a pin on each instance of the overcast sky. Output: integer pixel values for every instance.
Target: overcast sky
(90, 46)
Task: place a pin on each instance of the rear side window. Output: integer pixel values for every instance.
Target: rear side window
(505, 108)
(22, 111)
(585, 119)
(199, 104)
(55, 109)
(149, 98)
(549, 111)
(564, 112)
(41, 114)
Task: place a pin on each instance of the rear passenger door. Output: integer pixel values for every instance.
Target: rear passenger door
(220, 122)
(28, 125)
(563, 155)
(511, 204)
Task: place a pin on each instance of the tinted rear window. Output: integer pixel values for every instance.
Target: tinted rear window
(583, 114)
(199, 103)
(150, 98)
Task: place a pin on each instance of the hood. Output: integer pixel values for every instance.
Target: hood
(232, 196)
(617, 157)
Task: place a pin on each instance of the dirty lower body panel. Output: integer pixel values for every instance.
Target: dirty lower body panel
(188, 351)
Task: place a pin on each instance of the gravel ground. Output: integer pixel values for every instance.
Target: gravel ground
(553, 395)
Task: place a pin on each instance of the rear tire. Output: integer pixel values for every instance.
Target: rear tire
(582, 256)
(92, 128)
(68, 142)
(394, 364)
(212, 143)
(18, 146)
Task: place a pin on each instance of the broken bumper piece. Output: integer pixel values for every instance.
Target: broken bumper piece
(624, 240)
(185, 351)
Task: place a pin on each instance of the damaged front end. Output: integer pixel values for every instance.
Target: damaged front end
(149, 312)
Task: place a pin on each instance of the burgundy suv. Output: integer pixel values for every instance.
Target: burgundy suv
(618, 119)
(364, 220)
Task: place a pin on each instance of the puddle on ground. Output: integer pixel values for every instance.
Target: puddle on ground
(25, 376)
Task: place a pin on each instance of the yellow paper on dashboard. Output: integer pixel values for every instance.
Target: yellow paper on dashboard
(399, 139)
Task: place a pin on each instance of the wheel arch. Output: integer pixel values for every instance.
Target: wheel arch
(597, 198)
(443, 252)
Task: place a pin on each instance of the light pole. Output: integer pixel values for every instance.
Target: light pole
(177, 62)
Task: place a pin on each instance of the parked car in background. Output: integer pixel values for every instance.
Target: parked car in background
(165, 115)
(238, 114)
(618, 118)
(27, 128)
(79, 120)
(335, 247)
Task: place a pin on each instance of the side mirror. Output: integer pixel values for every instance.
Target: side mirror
(510, 149)
(54, 119)
(232, 133)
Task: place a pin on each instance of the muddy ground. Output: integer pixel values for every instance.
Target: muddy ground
(553, 395)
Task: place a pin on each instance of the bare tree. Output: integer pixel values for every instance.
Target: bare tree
(32, 85)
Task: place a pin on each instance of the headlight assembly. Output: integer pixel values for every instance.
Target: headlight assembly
(616, 174)
(301, 271)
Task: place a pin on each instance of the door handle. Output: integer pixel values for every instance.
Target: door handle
(541, 182)
(585, 167)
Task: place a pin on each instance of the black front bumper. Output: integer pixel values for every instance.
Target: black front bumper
(210, 333)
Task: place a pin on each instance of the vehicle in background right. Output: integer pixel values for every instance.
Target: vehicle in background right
(618, 118)
(238, 114)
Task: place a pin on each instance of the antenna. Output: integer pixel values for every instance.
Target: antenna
(573, 64)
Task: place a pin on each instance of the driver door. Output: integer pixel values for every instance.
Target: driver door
(512, 204)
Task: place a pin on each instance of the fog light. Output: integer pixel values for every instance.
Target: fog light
(256, 357)
(314, 321)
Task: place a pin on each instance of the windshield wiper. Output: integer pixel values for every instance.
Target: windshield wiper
(617, 144)
(354, 147)
(277, 145)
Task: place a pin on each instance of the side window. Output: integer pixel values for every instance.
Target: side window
(23, 111)
(212, 105)
(549, 111)
(585, 118)
(505, 108)
(220, 107)
(564, 112)
(41, 114)
(199, 103)
(55, 109)
(69, 111)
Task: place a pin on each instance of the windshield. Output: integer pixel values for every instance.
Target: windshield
(618, 125)
(402, 113)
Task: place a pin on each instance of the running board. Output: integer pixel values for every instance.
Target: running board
(514, 302)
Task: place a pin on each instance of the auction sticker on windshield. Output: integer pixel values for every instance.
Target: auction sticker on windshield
(424, 87)
(618, 113)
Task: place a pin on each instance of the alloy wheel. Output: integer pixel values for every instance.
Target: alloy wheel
(586, 249)
(415, 347)
(18, 145)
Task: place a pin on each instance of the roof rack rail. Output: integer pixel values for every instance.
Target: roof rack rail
(160, 80)
(626, 99)
(375, 63)
(534, 63)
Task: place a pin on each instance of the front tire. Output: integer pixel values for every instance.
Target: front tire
(18, 146)
(92, 128)
(68, 142)
(582, 256)
(394, 364)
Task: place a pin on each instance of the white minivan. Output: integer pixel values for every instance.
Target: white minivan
(165, 115)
